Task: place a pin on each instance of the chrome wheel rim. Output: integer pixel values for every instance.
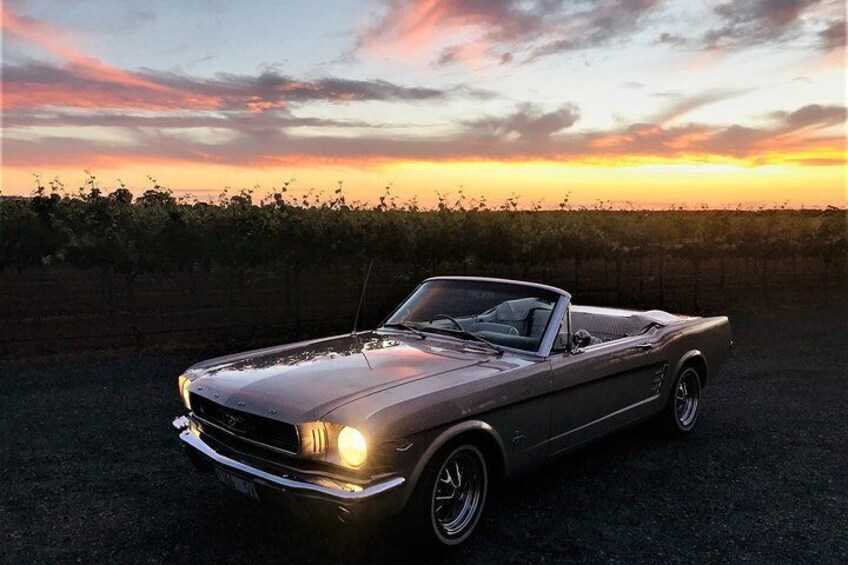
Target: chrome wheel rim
(687, 398)
(458, 494)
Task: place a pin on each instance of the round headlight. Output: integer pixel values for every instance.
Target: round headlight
(352, 446)
(183, 382)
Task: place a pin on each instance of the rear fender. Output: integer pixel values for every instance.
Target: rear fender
(690, 356)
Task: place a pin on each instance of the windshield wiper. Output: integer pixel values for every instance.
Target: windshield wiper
(468, 335)
(407, 327)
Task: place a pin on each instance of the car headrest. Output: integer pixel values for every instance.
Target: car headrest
(517, 310)
(515, 341)
(495, 328)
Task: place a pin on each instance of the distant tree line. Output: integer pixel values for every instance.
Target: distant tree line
(157, 232)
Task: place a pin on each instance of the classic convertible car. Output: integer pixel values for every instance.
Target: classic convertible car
(468, 381)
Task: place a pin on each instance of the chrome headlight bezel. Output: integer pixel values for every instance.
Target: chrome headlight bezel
(183, 385)
(337, 444)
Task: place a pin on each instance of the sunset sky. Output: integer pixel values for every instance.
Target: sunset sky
(647, 103)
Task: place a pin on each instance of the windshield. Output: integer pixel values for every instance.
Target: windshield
(505, 314)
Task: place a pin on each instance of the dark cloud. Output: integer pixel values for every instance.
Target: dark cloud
(602, 23)
(686, 104)
(667, 94)
(466, 30)
(525, 134)
(35, 85)
(272, 86)
(242, 121)
(752, 22)
(448, 55)
(672, 39)
(529, 123)
(534, 28)
(812, 116)
(833, 36)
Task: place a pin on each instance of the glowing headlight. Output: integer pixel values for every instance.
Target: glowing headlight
(183, 383)
(352, 446)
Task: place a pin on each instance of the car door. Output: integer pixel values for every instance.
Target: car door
(602, 387)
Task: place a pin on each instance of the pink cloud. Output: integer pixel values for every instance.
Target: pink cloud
(50, 39)
(82, 81)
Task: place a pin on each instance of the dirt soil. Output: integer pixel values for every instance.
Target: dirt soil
(92, 471)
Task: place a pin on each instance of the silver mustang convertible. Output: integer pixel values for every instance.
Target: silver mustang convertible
(468, 381)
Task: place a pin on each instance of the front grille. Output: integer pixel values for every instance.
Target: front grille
(249, 426)
(270, 460)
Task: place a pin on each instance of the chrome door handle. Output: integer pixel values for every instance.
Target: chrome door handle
(644, 346)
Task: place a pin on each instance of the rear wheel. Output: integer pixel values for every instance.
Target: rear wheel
(684, 405)
(451, 495)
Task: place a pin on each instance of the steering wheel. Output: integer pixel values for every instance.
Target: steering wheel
(446, 317)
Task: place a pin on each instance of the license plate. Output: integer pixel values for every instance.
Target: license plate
(236, 483)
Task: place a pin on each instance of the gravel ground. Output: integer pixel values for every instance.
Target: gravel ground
(92, 471)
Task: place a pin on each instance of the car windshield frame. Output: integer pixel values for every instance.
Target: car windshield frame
(559, 298)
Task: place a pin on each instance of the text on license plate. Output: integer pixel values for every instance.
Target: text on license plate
(243, 486)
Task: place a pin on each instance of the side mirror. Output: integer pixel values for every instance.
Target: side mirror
(581, 338)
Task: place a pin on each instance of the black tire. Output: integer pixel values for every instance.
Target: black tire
(681, 412)
(450, 496)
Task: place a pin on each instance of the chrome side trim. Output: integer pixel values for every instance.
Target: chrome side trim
(192, 439)
(608, 416)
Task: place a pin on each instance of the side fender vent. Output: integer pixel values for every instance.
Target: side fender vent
(659, 379)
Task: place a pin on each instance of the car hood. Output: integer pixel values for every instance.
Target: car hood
(305, 381)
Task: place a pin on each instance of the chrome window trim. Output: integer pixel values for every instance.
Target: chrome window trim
(552, 330)
(549, 288)
(547, 341)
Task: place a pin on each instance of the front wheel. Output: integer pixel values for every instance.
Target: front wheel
(681, 412)
(451, 495)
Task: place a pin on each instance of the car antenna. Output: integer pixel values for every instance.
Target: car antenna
(362, 297)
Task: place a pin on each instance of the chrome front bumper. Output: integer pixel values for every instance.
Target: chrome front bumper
(380, 498)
